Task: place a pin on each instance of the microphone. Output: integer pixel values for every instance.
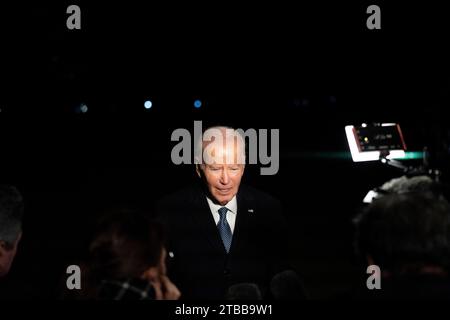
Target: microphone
(244, 291)
(287, 285)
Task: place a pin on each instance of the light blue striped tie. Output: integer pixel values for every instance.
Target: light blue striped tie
(224, 229)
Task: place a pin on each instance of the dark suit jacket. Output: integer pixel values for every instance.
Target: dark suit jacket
(201, 268)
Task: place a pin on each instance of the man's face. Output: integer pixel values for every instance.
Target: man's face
(7, 256)
(223, 175)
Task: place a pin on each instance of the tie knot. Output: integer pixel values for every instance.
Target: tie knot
(223, 212)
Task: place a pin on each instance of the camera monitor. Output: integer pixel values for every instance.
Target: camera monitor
(375, 142)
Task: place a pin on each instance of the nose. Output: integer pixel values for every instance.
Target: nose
(224, 178)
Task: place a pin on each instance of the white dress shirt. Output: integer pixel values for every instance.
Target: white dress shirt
(231, 213)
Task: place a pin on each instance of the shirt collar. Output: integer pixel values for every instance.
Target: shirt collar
(231, 205)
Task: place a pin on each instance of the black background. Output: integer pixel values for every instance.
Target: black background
(306, 68)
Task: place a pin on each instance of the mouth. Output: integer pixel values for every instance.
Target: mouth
(224, 191)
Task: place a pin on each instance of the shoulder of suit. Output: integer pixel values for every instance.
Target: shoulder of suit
(252, 194)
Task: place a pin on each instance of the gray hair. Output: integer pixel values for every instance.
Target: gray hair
(227, 134)
(11, 213)
(406, 184)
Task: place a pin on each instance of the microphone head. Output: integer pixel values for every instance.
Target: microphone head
(287, 285)
(244, 291)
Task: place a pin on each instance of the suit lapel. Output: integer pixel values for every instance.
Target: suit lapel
(244, 210)
(203, 218)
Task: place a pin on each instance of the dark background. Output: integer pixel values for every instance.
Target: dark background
(306, 69)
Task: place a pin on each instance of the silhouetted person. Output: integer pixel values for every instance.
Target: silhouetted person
(407, 236)
(11, 214)
(127, 260)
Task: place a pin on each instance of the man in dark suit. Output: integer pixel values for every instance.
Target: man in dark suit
(11, 212)
(221, 232)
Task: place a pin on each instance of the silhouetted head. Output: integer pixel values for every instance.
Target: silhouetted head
(406, 232)
(11, 214)
(126, 245)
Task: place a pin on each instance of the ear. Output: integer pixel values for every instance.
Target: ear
(198, 170)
